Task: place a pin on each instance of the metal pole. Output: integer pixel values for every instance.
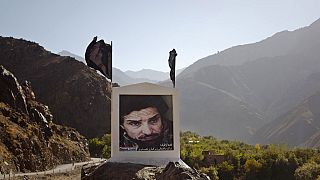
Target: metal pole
(111, 65)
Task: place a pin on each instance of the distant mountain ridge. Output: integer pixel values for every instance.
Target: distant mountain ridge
(155, 75)
(77, 57)
(130, 77)
(281, 43)
(232, 94)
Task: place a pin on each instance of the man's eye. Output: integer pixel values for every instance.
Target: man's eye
(154, 120)
(134, 123)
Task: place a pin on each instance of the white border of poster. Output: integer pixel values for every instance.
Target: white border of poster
(156, 157)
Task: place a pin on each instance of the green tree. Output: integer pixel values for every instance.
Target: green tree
(308, 171)
(106, 151)
(95, 147)
(226, 171)
(252, 168)
(211, 172)
(100, 147)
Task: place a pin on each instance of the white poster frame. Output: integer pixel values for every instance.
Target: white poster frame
(144, 157)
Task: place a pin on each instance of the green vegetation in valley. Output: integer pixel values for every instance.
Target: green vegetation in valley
(243, 161)
(237, 159)
(100, 147)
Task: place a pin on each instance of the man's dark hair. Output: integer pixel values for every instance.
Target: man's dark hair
(129, 103)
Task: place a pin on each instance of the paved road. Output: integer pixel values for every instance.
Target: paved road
(58, 169)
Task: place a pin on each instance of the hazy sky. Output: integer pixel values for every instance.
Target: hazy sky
(144, 31)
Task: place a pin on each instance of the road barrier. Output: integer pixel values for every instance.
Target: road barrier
(73, 167)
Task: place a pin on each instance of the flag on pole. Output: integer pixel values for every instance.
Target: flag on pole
(172, 65)
(99, 56)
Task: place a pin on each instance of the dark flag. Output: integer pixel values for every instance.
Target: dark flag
(99, 56)
(172, 65)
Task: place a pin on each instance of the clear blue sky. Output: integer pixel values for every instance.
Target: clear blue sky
(144, 31)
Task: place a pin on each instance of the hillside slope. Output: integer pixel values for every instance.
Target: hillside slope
(232, 94)
(298, 127)
(29, 140)
(77, 95)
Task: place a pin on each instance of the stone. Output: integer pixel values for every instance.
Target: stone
(112, 170)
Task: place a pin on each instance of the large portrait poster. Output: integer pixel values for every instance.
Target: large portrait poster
(145, 123)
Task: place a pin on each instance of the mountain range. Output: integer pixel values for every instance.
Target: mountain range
(246, 92)
(235, 92)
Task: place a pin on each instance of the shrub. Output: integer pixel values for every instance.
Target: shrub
(308, 171)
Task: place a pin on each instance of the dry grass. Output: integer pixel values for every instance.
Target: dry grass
(3, 106)
(3, 150)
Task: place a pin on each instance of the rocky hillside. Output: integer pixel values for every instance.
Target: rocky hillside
(77, 96)
(29, 140)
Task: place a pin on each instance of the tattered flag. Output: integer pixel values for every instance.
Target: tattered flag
(172, 65)
(99, 56)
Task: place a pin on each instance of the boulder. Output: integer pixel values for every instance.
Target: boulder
(112, 170)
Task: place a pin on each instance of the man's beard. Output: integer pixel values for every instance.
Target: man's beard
(149, 140)
(146, 138)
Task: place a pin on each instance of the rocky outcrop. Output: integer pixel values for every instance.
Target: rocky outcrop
(29, 140)
(11, 92)
(77, 96)
(110, 170)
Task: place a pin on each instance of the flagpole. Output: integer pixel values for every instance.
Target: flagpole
(111, 65)
(174, 70)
